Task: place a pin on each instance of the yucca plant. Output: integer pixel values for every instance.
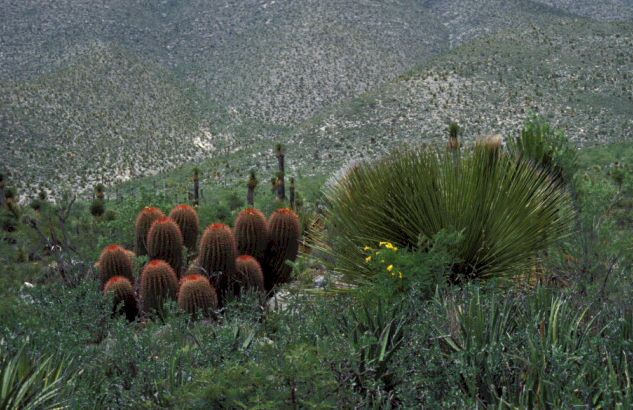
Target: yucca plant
(25, 384)
(506, 209)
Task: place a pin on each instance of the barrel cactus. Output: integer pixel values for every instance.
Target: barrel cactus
(164, 241)
(144, 221)
(285, 230)
(217, 255)
(187, 220)
(248, 276)
(158, 285)
(115, 261)
(196, 295)
(123, 299)
(251, 233)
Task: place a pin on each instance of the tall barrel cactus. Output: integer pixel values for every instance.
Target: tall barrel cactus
(144, 221)
(187, 220)
(123, 299)
(115, 261)
(158, 285)
(248, 276)
(285, 230)
(164, 241)
(217, 255)
(251, 233)
(196, 296)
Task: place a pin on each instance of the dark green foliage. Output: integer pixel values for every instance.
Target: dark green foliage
(121, 291)
(115, 261)
(187, 220)
(251, 233)
(251, 185)
(100, 192)
(159, 284)
(196, 296)
(506, 209)
(164, 242)
(97, 208)
(248, 275)
(234, 201)
(285, 230)
(144, 222)
(217, 255)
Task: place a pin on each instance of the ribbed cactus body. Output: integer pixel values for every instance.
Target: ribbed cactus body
(158, 285)
(284, 229)
(196, 295)
(248, 276)
(115, 261)
(121, 291)
(144, 222)
(251, 233)
(187, 220)
(164, 241)
(217, 255)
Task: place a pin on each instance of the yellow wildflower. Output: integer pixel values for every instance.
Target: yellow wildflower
(368, 259)
(400, 275)
(389, 268)
(367, 248)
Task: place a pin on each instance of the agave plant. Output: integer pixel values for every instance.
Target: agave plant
(506, 209)
(28, 385)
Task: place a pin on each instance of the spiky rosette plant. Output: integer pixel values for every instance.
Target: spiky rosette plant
(115, 261)
(196, 296)
(248, 275)
(187, 220)
(285, 230)
(504, 209)
(121, 291)
(217, 255)
(144, 221)
(158, 285)
(164, 241)
(251, 233)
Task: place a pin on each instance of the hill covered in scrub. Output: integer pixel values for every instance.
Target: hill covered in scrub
(124, 89)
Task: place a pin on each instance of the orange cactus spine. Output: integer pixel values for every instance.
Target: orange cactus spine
(187, 220)
(123, 298)
(285, 230)
(144, 222)
(217, 255)
(196, 296)
(164, 241)
(251, 233)
(115, 261)
(158, 285)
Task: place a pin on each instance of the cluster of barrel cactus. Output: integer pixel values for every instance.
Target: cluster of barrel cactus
(224, 263)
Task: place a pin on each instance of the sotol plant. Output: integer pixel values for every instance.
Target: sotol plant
(123, 298)
(506, 209)
(196, 296)
(115, 261)
(144, 221)
(158, 285)
(251, 233)
(217, 255)
(187, 220)
(285, 231)
(164, 241)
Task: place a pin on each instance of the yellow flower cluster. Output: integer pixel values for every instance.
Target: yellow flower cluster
(385, 245)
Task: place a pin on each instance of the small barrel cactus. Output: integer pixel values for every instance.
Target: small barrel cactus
(123, 299)
(217, 255)
(144, 221)
(115, 261)
(158, 284)
(251, 233)
(187, 220)
(164, 241)
(196, 295)
(248, 276)
(285, 230)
